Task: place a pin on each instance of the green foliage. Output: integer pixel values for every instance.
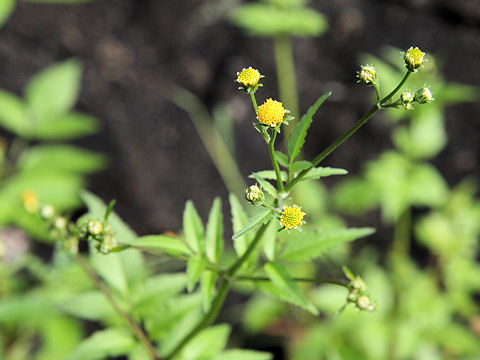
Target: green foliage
(269, 20)
(6, 9)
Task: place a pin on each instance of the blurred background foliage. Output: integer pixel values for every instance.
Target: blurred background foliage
(409, 182)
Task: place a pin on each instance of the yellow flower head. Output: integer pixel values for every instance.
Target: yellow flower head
(271, 113)
(30, 201)
(249, 77)
(414, 58)
(292, 216)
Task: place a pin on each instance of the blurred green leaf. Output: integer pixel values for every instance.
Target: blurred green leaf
(265, 185)
(193, 228)
(297, 138)
(239, 354)
(13, 115)
(67, 126)
(195, 267)
(6, 9)
(59, 336)
(90, 305)
(268, 174)
(319, 172)
(282, 280)
(239, 220)
(269, 240)
(207, 281)
(54, 91)
(264, 20)
(214, 232)
(170, 245)
(60, 158)
(300, 165)
(262, 217)
(103, 343)
(260, 312)
(207, 344)
(309, 245)
(355, 196)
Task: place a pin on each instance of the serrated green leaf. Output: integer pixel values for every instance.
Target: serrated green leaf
(91, 305)
(69, 126)
(195, 267)
(297, 139)
(6, 9)
(298, 166)
(282, 158)
(13, 114)
(265, 185)
(54, 90)
(102, 344)
(208, 281)
(214, 233)
(241, 354)
(193, 229)
(268, 174)
(309, 245)
(170, 245)
(320, 172)
(282, 280)
(207, 344)
(239, 220)
(61, 158)
(258, 219)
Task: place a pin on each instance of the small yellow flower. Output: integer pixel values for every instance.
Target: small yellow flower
(367, 74)
(249, 77)
(414, 58)
(30, 201)
(292, 217)
(271, 112)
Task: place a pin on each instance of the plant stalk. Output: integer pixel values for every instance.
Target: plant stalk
(134, 327)
(394, 91)
(271, 149)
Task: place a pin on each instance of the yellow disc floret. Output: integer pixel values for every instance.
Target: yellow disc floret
(248, 77)
(414, 58)
(292, 216)
(271, 112)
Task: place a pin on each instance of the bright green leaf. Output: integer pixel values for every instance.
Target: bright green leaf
(208, 281)
(195, 267)
(6, 9)
(193, 228)
(207, 344)
(320, 172)
(239, 220)
(265, 185)
(268, 174)
(282, 158)
(297, 138)
(269, 240)
(13, 115)
(170, 245)
(68, 126)
(300, 165)
(214, 232)
(258, 219)
(309, 245)
(54, 90)
(282, 280)
(240, 354)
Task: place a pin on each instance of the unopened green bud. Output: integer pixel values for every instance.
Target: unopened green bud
(363, 302)
(254, 195)
(95, 227)
(47, 211)
(424, 96)
(407, 98)
(108, 244)
(357, 284)
(413, 58)
(367, 74)
(60, 223)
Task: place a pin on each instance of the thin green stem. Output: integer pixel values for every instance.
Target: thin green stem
(309, 280)
(134, 327)
(254, 102)
(273, 156)
(333, 146)
(394, 91)
(219, 299)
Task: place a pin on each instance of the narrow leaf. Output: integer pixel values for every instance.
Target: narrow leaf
(109, 209)
(297, 139)
(214, 233)
(310, 245)
(241, 354)
(300, 165)
(195, 266)
(208, 281)
(320, 172)
(207, 344)
(13, 114)
(269, 240)
(282, 280)
(239, 220)
(168, 244)
(265, 185)
(193, 228)
(282, 158)
(268, 174)
(258, 219)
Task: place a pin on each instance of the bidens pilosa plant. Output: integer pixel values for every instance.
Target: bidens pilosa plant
(171, 317)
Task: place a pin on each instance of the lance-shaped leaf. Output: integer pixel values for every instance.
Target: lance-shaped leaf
(297, 139)
(319, 172)
(170, 245)
(193, 228)
(214, 233)
(265, 185)
(208, 280)
(195, 266)
(309, 245)
(282, 280)
(239, 220)
(269, 174)
(258, 219)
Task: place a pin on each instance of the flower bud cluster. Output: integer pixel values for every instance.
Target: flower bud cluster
(367, 74)
(357, 295)
(254, 195)
(100, 234)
